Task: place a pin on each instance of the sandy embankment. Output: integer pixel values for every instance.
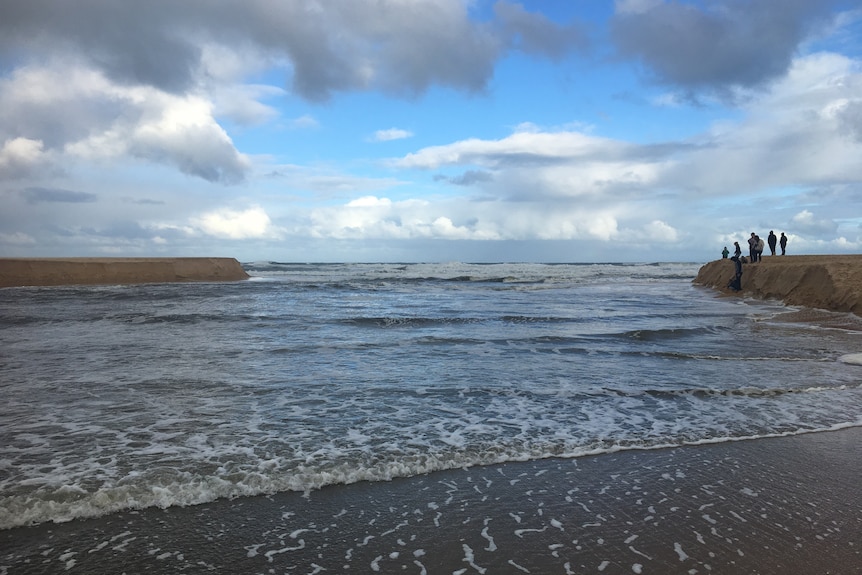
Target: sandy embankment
(831, 282)
(92, 271)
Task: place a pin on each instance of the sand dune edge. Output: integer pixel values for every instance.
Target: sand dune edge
(831, 282)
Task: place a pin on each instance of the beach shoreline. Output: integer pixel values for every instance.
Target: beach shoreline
(829, 282)
(768, 506)
(21, 272)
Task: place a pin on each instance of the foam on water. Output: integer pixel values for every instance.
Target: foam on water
(852, 358)
(156, 396)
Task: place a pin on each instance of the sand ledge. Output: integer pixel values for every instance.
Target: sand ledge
(18, 272)
(831, 282)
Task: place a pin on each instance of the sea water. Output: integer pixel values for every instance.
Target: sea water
(307, 375)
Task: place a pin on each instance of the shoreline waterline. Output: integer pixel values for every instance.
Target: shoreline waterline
(769, 506)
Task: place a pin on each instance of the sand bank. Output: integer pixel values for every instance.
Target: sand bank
(766, 506)
(831, 282)
(81, 271)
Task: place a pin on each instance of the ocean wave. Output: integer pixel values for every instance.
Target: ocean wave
(748, 391)
(64, 503)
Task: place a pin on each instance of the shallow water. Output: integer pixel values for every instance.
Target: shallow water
(125, 397)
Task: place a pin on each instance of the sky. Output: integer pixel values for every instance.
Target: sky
(429, 130)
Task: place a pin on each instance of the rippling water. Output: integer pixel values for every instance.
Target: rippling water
(121, 397)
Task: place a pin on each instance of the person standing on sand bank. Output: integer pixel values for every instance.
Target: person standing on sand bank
(752, 248)
(760, 246)
(738, 251)
(724, 253)
(783, 242)
(772, 239)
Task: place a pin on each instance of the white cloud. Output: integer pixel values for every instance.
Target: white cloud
(369, 202)
(182, 131)
(520, 147)
(242, 104)
(303, 122)
(391, 134)
(18, 239)
(658, 230)
(250, 223)
(19, 157)
(92, 118)
(806, 223)
(371, 217)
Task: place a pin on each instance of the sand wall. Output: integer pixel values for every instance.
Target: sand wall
(831, 282)
(80, 271)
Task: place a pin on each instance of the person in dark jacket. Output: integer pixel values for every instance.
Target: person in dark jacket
(736, 283)
(772, 239)
(783, 242)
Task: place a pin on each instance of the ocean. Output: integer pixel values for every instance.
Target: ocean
(119, 398)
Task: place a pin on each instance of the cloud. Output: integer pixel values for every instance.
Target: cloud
(149, 80)
(36, 195)
(241, 103)
(391, 134)
(533, 33)
(468, 178)
(303, 122)
(328, 47)
(250, 223)
(716, 46)
(805, 223)
(372, 217)
(90, 117)
(795, 135)
(183, 132)
(849, 113)
(660, 231)
(534, 165)
(17, 239)
(19, 157)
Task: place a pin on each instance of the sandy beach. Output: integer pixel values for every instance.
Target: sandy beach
(16, 272)
(767, 506)
(831, 282)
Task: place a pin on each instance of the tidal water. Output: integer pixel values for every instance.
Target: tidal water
(128, 397)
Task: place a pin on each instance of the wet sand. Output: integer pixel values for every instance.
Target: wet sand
(15, 272)
(767, 506)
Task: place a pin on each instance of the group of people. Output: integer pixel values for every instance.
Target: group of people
(755, 254)
(756, 246)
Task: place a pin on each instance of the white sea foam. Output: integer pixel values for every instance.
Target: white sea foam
(851, 358)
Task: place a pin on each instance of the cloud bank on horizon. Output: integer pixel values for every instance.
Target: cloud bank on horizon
(429, 130)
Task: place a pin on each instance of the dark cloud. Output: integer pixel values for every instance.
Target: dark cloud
(201, 151)
(468, 178)
(534, 34)
(330, 46)
(851, 119)
(132, 42)
(144, 201)
(124, 229)
(37, 195)
(717, 45)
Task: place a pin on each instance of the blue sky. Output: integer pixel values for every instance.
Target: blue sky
(429, 130)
